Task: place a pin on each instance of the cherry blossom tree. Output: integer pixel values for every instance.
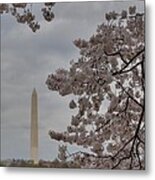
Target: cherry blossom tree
(23, 13)
(108, 81)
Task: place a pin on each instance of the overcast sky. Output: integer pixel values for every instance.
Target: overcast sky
(26, 60)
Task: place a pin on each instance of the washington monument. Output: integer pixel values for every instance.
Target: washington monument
(34, 127)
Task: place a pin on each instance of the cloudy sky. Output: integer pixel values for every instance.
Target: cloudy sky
(26, 60)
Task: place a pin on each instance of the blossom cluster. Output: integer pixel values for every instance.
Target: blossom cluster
(23, 13)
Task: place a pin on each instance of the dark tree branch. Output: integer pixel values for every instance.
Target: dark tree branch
(122, 148)
(131, 155)
(133, 140)
(102, 126)
(133, 143)
(128, 70)
(140, 140)
(137, 129)
(122, 159)
(131, 60)
(126, 106)
(130, 95)
(114, 54)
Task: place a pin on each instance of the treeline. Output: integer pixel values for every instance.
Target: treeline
(41, 164)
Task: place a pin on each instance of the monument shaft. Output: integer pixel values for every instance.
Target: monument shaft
(34, 127)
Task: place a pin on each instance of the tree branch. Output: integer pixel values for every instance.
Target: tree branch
(102, 126)
(138, 156)
(122, 159)
(123, 146)
(131, 60)
(133, 143)
(128, 70)
(114, 54)
(137, 130)
(140, 140)
(130, 95)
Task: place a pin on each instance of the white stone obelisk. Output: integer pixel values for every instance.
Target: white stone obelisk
(34, 127)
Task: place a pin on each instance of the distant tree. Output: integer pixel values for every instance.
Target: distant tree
(109, 73)
(23, 13)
